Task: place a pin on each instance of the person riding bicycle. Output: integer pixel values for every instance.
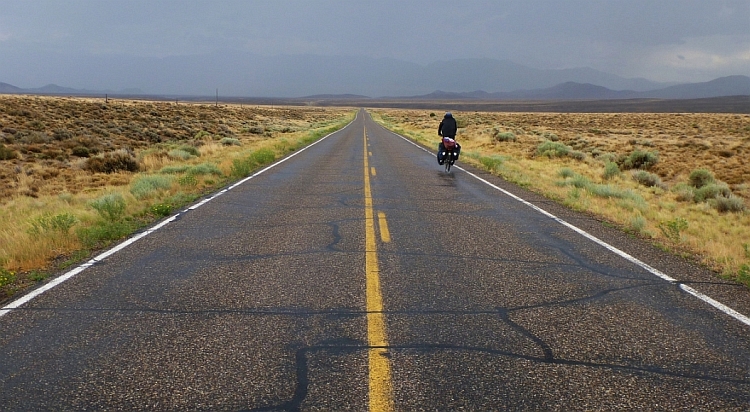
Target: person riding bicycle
(447, 129)
(448, 126)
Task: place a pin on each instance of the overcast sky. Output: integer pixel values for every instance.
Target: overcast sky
(661, 40)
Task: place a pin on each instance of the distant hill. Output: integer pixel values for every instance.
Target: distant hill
(506, 76)
(55, 89)
(335, 96)
(6, 88)
(569, 90)
(9, 88)
(724, 86)
(251, 75)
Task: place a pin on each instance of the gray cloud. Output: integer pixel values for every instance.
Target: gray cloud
(634, 38)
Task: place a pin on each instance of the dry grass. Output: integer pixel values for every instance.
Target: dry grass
(66, 153)
(684, 142)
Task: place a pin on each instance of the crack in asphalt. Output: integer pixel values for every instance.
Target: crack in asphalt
(336, 237)
(504, 313)
(302, 370)
(347, 346)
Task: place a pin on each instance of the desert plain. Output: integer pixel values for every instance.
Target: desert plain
(78, 174)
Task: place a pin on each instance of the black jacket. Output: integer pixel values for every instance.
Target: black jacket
(447, 127)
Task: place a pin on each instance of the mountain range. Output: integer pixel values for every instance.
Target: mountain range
(290, 76)
(723, 86)
(6, 88)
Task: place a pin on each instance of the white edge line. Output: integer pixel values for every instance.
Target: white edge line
(66, 276)
(705, 298)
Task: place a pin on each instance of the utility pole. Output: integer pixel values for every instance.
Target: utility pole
(217, 97)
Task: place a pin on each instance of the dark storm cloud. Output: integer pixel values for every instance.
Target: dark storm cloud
(667, 40)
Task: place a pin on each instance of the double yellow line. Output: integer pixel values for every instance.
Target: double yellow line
(381, 391)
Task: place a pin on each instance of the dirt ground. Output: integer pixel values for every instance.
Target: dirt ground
(45, 142)
(683, 141)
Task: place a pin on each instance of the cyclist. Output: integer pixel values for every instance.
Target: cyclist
(447, 129)
(448, 126)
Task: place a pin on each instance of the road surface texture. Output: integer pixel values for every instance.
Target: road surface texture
(358, 275)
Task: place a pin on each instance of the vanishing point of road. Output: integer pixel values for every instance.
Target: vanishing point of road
(358, 275)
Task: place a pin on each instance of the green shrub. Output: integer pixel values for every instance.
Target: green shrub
(202, 134)
(180, 199)
(672, 229)
(263, 156)
(81, 151)
(700, 177)
(205, 169)
(491, 163)
(187, 180)
(608, 157)
(190, 149)
(611, 170)
(639, 159)
(503, 136)
(7, 154)
(38, 276)
(711, 191)
(48, 223)
(580, 182)
(119, 160)
(145, 186)
(552, 149)
(35, 138)
(62, 134)
(7, 277)
(111, 207)
(566, 172)
(161, 209)
(574, 194)
(684, 192)
(577, 155)
(174, 169)
(103, 233)
(743, 274)
(179, 154)
(637, 223)
(731, 203)
(609, 191)
(230, 141)
(647, 179)
(241, 167)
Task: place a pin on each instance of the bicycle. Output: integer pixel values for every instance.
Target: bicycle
(448, 162)
(448, 146)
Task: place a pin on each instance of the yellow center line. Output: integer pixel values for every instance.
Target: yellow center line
(385, 234)
(381, 398)
(372, 171)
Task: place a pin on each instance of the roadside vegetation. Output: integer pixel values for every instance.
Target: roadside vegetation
(681, 181)
(77, 175)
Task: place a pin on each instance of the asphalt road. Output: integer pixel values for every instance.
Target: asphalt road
(339, 281)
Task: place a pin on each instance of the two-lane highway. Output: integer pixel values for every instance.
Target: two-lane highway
(358, 275)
